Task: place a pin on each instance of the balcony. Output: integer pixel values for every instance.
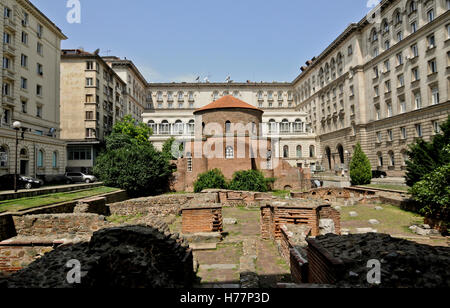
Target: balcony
(9, 50)
(10, 25)
(8, 100)
(8, 74)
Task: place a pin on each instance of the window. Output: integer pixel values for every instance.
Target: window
(227, 127)
(399, 59)
(380, 160)
(386, 27)
(39, 111)
(55, 160)
(414, 51)
(404, 133)
(25, 19)
(417, 101)
(40, 31)
(387, 45)
(286, 151)
(159, 97)
(376, 91)
(80, 153)
(191, 97)
(229, 153)
(390, 135)
(430, 15)
(7, 12)
(398, 18)
(89, 115)
(387, 86)
(374, 35)
(3, 157)
(39, 69)
(40, 159)
(436, 127)
(399, 36)
(402, 106)
(389, 110)
(6, 38)
(169, 97)
(299, 151)
(375, 72)
(24, 38)
(6, 89)
(419, 132)
(24, 60)
(377, 113)
(392, 158)
(23, 83)
(180, 97)
(312, 151)
(434, 95)
(375, 52)
(89, 65)
(38, 90)
(412, 7)
(401, 80)
(89, 82)
(24, 106)
(270, 96)
(6, 63)
(90, 133)
(415, 74)
(414, 27)
(350, 50)
(379, 137)
(431, 42)
(432, 67)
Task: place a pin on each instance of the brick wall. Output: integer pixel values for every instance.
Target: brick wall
(13, 258)
(161, 205)
(323, 268)
(58, 225)
(331, 213)
(202, 219)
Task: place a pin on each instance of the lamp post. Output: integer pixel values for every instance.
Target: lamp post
(17, 126)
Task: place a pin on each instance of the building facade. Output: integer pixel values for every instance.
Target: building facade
(135, 85)
(384, 82)
(93, 99)
(30, 55)
(170, 111)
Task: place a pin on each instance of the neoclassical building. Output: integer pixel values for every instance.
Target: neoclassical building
(30, 55)
(384, 82)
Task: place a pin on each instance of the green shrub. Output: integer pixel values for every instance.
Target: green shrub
(425, 157)
(360, 168)
(433, 193)
(213, 179)
(130, 161)
(251, 180)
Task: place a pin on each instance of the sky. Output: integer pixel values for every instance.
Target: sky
(178, 40)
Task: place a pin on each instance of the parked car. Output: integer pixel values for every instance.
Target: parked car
(59, 179)
(7, 182)
(378, 174)
(78, 177)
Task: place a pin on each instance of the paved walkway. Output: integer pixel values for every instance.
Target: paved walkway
(242, 256)
(10, 194)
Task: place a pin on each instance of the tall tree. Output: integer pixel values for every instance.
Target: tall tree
(360, 168)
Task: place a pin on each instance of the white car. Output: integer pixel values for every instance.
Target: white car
(78, 177)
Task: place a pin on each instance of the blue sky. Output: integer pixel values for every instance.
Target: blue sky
(176, 40)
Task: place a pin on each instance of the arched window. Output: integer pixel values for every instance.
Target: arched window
(385, 26)
(374, 35)
(312, 151)
(321, 76)
(272, 126)
(227, 127)
(229, 153)
(298, 126)
(179, 127)
(299, 151)
(180, 97)
(392, 159)
(3, 157)
(412, 6)
(285, 126)
(333, 69)
(40, 159)
(286, 151)
(191, 127)
(55, 160)
(397, 17)
(152, 125)
(327, 72)
(164, 128)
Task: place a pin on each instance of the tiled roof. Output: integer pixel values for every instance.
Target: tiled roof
(228, 102)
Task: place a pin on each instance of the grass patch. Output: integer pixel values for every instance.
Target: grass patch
(388, 187)
(281, 193)
(392, 219)
(117, 219)
(32, 202)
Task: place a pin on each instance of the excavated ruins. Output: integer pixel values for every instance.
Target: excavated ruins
(141, 250)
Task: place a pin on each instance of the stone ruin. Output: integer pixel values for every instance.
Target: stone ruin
(120, 257)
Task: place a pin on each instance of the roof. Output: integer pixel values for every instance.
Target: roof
(228, 102)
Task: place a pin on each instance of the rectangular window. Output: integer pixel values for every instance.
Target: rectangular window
(419, 132)
(414, 27)
(40, 49)
(23, 83)
(436, 127)
(24, 107)
(379, 137)
(390, 135)
(89, 65)
(24, 61)
(389, 110)
(414, 51)
(430, 15)
(39, 111)
(6, 38)
(24, 38)
(399, 36)
(399, 59)
(415, 74)
(7, 12)
(401, 80)
(431, 41)
(402, 106)
(40, 31)
(89, 82)
(38, 90)
(417, 101)
(39, 69)
(89, 115)
(404, 133)
(6, 63)
(435, 95)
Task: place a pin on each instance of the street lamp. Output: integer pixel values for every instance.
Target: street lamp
(17, 126)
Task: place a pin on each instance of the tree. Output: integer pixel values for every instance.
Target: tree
(171, 152)
(251, 180)
(433, 192)
(360, 168)
(213, 179)
(130, 161)
(424, 157)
